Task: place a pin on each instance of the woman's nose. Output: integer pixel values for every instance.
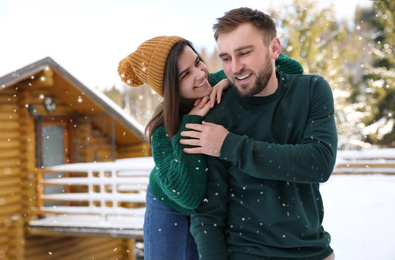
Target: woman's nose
(200, 73)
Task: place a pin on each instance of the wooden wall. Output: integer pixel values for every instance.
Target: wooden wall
(11, 202)
(17, 184)
(139, 150)
(12, 240)
(92, 145)
(78, 248)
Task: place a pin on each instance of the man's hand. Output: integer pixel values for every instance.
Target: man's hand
(207, 137)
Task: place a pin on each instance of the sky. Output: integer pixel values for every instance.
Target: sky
(88, 38)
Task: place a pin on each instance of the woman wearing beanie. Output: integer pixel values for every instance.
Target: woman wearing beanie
(173, 69)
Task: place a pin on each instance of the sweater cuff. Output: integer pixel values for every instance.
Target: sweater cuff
(193, 119)
(228, 147)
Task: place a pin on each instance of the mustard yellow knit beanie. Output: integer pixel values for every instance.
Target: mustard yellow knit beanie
(146, 65)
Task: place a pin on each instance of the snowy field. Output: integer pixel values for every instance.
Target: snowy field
(360, 216)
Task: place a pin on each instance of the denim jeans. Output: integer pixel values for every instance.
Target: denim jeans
(166, 233)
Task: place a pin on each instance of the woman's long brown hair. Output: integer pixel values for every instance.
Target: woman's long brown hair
(169, 112)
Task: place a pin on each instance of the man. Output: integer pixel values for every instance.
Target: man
(278, 143)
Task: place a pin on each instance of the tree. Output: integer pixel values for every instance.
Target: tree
(115, 95)
(379, 74)
(140, 102)
(325, 47)
(212, 59)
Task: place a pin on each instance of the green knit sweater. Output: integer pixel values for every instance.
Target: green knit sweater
(263, 199)
(179, 179)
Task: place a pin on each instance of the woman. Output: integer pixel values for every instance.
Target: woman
(172, 67)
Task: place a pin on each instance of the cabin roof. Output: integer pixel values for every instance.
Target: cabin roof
(94, 97)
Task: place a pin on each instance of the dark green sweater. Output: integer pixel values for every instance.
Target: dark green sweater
(179, 179)
(262, 199)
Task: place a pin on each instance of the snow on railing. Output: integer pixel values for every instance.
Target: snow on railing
(368, 161)
(109, 197)
(93, 195)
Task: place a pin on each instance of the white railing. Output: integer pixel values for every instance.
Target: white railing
(372, 161)
(96, 197)
(109, 197)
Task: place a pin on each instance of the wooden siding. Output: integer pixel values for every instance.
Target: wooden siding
(18, 139)
(93, 144)
(27, 152)
(11, 202)
(11, 238)
(138, 150)
(81, 248)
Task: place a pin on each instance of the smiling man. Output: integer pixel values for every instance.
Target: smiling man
(249, 75)
(277, 142)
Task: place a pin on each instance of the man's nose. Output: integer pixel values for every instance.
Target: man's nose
(237, 66)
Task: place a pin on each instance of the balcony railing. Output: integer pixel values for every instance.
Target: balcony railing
(106, 198)
(372, 161)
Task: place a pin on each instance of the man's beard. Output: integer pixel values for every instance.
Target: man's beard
(260, 84)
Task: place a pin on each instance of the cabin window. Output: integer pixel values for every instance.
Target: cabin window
(55, 136)
(52, 145)
(54, 139)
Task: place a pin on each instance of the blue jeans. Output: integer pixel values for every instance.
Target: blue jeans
(166, 233)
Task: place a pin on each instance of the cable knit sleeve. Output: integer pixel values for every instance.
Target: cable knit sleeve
(288, 65)
(216, 77)
(181, 176)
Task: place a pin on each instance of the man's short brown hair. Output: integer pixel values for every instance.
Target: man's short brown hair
(235, 17)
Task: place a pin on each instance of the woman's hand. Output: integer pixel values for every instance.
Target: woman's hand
(202, 107)
(215, 95)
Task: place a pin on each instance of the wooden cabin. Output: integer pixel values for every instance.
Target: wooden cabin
(48, 118)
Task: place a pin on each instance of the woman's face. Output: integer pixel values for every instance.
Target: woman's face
(193, 75)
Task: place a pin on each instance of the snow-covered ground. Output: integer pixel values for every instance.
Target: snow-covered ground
(360, 216)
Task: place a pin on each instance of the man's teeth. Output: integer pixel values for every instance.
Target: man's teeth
(243, 77)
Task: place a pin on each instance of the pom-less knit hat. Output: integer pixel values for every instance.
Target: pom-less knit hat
(146, 65)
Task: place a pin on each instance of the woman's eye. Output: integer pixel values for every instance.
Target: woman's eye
(184, 75)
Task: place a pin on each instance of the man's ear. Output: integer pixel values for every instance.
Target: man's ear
(275, 48)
